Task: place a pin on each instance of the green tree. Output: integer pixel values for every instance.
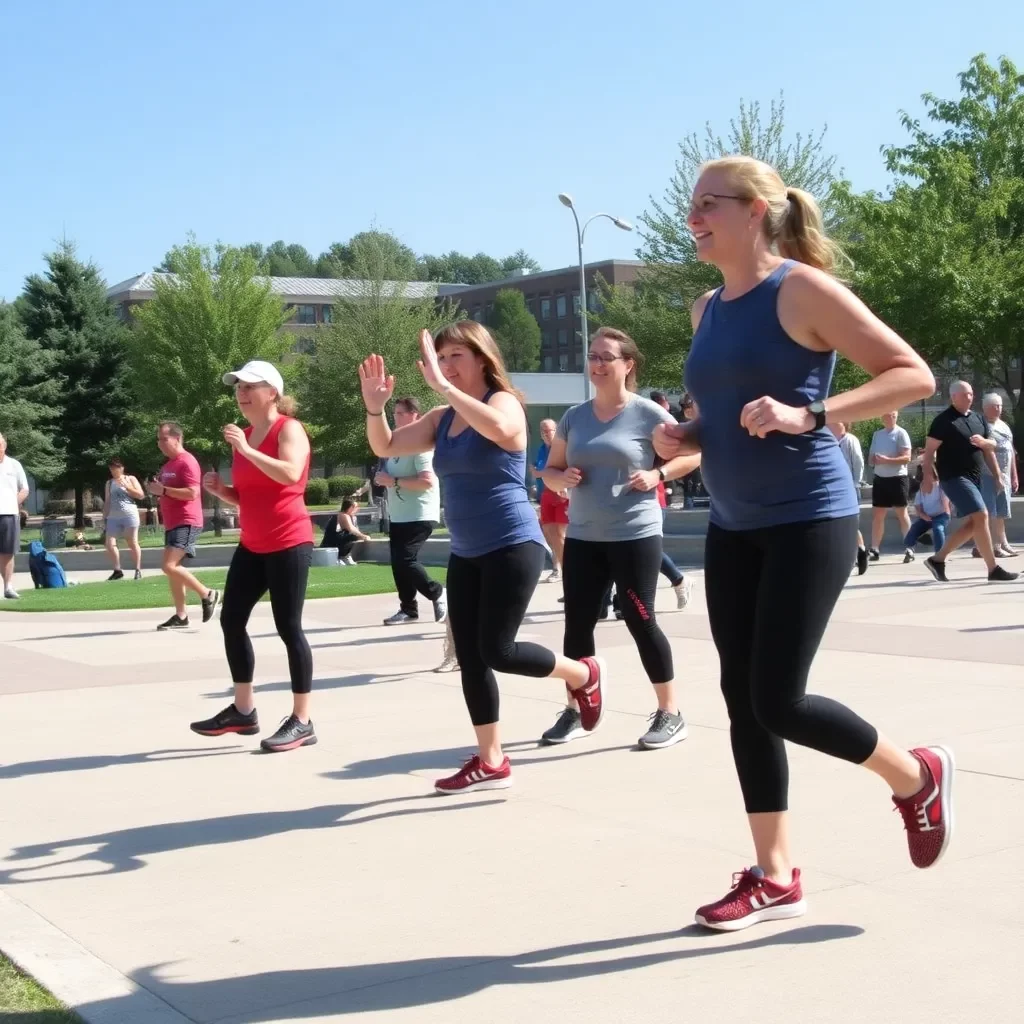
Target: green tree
(382, 319)
(214, 316)
(456, 267)
(30, 393)
(516, 330)
(66, 310)
(941, 255)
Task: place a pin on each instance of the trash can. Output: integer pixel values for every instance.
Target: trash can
(53, 533)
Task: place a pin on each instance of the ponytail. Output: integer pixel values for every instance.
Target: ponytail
(286, 405)
(802, 233)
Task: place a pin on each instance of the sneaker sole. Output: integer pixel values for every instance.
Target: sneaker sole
(249, 730)
(556, 741)
(484, 784)
(945, 755)
(172, 629)
(675, 738)
(783, 913)
(280, 748)
(683, 599)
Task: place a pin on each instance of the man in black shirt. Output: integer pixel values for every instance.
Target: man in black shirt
(958, 446)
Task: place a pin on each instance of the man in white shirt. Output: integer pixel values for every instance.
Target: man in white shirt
(890, 456)
(997, 500)
(13, 492)
(849, 445)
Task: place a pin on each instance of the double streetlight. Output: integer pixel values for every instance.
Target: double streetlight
(566, 200)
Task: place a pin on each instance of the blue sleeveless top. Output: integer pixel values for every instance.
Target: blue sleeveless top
(486, 506)
(740, 353)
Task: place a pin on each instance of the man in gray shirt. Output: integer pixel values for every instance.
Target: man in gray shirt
(889, 455)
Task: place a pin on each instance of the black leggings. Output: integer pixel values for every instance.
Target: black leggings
(284, 574)
(770, 594)
(589, 568)
(411, 578)
(487, 599)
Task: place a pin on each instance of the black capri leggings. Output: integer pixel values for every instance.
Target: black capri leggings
(487, 599)
(770, 594)
(589, 568)
(285, 574)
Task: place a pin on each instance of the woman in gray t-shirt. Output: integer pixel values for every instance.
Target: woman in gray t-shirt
(603, 455)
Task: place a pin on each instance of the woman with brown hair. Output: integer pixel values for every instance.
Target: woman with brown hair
(121, 517)
(497, 551)
(784, 513)
(603, 455)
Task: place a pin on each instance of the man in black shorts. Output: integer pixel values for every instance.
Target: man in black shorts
(957, 447)
(889, 454)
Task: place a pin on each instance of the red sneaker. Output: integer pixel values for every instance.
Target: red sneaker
(753, 899)
(928, 815)
(476, 774)
(590, 696)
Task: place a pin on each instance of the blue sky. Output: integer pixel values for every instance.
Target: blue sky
(452, 124)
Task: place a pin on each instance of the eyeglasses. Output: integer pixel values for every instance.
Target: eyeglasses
(705, 204)
(596, 357)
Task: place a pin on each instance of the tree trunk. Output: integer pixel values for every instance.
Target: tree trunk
(79, 505)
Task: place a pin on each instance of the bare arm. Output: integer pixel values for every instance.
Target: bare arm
(133, 487)
(420, 482)
(993, 466)
(931, 446)
(181, 493)
(821, 314)
(348, 524)
(292, 452)
(680, 466)
(412, 439)
(106, 500)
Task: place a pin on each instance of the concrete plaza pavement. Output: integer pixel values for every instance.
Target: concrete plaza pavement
(150, 876)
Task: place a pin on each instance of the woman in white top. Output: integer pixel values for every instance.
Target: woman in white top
(121, 516)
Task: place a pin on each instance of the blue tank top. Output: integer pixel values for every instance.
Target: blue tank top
(486, 506)
(740, 352)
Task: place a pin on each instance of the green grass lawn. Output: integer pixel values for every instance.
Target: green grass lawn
(22, 1001)
(151, 591)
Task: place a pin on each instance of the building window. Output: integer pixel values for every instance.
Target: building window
(490, 310)
(305, 314)
(560, 307)
(1014, 363)
(531, 304)
(549, 364)
(545, 340)
(575, 303)
(478, 315)
(328, 312)
(305, 346)
(593, 300)
(545, 309)
(563, 361)
(952, 363)
(563, 338)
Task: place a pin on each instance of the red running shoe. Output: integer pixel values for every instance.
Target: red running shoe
(753, 899)
(476, 774)
(928, 815)
(590, 696)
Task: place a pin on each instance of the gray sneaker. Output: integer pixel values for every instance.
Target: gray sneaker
(440, 608)
(569, 726)
(684, 591)
(666, 730)
(399, 619)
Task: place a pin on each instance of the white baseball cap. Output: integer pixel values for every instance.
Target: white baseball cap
(257, 371)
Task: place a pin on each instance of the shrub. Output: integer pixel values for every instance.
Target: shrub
(59, 508)
(317, 492)
(339, 487)
(97, 503)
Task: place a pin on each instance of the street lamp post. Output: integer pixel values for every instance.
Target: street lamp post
(566, 200)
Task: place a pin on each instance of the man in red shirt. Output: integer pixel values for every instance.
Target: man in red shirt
(179, 488)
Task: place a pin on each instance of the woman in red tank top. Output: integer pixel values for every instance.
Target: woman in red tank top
(269, 469)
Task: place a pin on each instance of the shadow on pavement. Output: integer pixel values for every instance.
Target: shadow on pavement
(127, 849)
(91, 763)
(374, 987)
(336, 683)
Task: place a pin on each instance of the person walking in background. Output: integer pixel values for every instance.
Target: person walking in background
(179, 489)
(889, 455)
(849, 445)
(933, 512)
(958, 446)
(13, 492)
(269, 470)
(692, 481)
(997, 499)
(414, 506)
(121, 517)
(342, 532)
(784, 513)
(497, 550)
(554, 505)
(604, 457)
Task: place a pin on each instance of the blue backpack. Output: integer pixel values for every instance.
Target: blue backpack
(47, 572)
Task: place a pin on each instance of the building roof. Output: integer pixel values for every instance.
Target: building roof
(143, 286)
(518, 279)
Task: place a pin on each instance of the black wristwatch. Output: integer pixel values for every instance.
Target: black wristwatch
(661, 473)
(817, 410)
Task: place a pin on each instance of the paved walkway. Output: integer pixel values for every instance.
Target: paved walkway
(153, 877)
